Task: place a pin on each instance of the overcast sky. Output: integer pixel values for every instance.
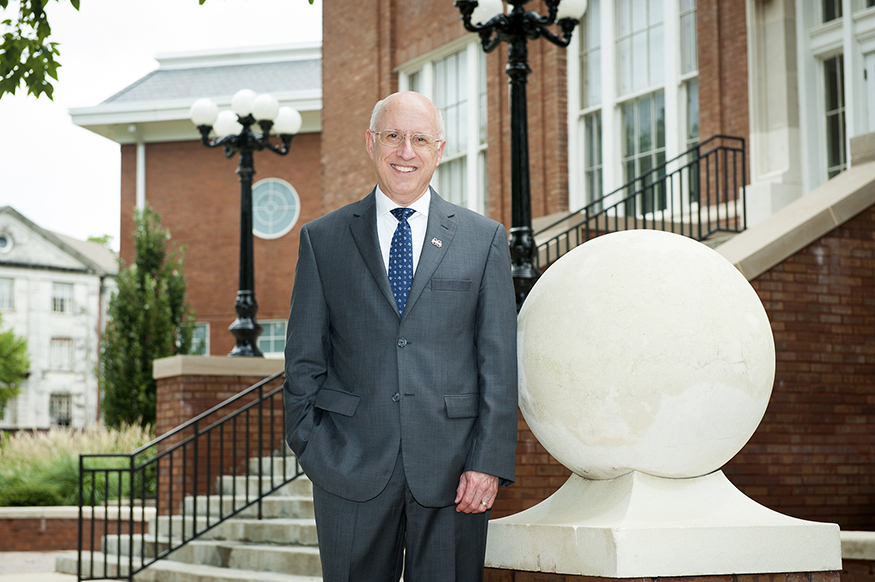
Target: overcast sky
(65, 178)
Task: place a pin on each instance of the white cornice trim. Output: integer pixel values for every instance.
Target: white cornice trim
(240, 56)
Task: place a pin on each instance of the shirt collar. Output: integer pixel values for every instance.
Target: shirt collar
(386, 204)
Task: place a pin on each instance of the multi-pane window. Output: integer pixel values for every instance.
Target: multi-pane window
(61, 354)
(200, 339)
(61, 408)
(689, 49)
(6, 297)
(273, 339)
(835, 115)
(640, 45)
(62, 298)
(592, 160)
(456, 83)
(831, 10)
(590, 99)
(644, 149)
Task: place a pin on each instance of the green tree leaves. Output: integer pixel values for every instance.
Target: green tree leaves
(14, 366)
(148, 319)
(26, 57)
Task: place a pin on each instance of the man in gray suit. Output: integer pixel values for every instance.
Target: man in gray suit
(401, 380)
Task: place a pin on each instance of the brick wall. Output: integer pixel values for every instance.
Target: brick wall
(199, 204)
(858, 571)
(228, 450)
(49, 534)
(722, 52)
(538, 475)
(813, 456)
(397, 32)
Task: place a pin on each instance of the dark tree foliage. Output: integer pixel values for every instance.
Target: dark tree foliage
(148, 319)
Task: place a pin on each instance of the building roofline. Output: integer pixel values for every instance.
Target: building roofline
(240, 56)
(91, 266)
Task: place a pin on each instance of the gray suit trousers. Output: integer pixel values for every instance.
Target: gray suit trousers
(365, 541)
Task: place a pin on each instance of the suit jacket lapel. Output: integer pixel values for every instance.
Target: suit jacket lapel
(438, 237)
(364, 233)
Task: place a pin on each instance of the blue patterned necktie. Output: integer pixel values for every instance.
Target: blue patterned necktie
(401, 258)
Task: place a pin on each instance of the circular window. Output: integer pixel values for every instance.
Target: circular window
(275, 208)
(5, 243)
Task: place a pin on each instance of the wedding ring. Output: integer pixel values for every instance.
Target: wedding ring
(484, 504)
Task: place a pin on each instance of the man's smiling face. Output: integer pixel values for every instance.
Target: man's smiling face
(403, 172)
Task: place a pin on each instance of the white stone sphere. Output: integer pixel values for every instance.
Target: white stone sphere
(644, 351)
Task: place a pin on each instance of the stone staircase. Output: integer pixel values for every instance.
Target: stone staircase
(281, 547)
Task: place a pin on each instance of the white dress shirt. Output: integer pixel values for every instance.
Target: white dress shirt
(387, 223)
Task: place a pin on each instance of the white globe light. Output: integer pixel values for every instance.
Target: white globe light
(288, 120)
(203, 112)
(486, 9)
(571, 9)
(265, 107)
(227, 124)
(242, 102)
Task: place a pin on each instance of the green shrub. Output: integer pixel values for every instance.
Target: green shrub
(49, 461)
(30, 495)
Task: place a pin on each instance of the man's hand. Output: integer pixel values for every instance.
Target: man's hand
(476, 492)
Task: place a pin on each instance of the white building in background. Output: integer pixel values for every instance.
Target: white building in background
(54, 291)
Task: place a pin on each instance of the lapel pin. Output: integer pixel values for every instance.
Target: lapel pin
(436, 242)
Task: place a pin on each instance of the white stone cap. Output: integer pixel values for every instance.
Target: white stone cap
(215, 366)
(858, 545)
(72, 512)
(638, 525)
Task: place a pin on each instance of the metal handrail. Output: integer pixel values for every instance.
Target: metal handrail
(698, 193)
(120, 485)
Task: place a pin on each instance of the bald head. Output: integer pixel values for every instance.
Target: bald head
(410, 100)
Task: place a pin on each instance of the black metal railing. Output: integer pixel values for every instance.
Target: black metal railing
(170, 481)
(697, 194)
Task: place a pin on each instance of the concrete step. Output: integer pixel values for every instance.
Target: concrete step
(273, 506)
(299, 560)
(174, 571)
(231, 485)
(276, 465)
(278, 530)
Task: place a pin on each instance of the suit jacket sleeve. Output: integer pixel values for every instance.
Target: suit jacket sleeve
(307, 348)
(494, 448)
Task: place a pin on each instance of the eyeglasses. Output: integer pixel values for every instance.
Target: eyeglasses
(393, 138)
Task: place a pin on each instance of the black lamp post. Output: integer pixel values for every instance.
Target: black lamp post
(516, 28)
(234, 133)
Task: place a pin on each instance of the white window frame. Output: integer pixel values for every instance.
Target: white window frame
(611, 102)
(61, 354)
(206, 326)
(62, 298)
(58, 403)
(7, 294)
(475, 170)
(295, 208)
(263, 336)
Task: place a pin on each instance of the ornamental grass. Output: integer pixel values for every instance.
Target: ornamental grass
(42, 468)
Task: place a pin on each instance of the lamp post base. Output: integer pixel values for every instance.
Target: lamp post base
(245, 329)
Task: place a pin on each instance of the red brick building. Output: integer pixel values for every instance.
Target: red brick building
(641, 83)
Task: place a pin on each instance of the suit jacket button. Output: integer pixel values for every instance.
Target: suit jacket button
(396, 397)
(402, 342)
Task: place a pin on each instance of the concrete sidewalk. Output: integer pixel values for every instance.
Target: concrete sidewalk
(31, 567)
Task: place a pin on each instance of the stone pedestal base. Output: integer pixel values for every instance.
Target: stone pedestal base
(640, 526)
(495, 575)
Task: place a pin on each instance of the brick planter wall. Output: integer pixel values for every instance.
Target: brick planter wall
(42, 529)
(190, 385)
